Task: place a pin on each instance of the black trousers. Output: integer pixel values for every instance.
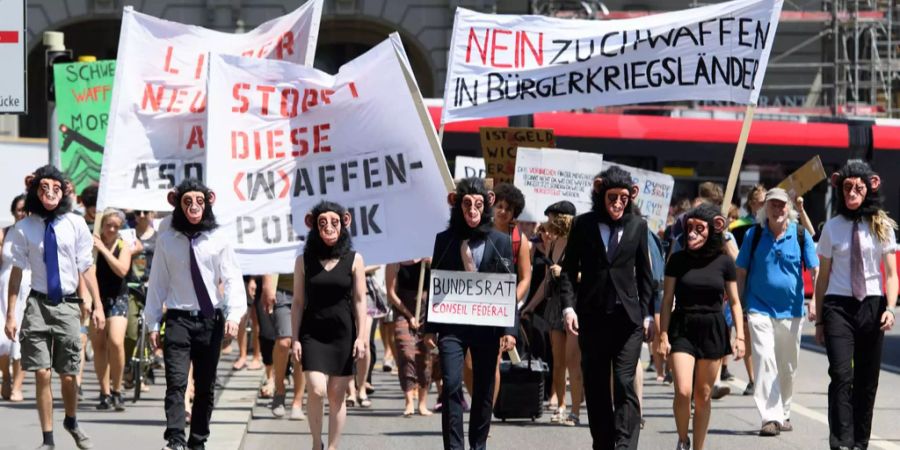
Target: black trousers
(853, 340)
(196, 340)
(484, 344)
(611, 343)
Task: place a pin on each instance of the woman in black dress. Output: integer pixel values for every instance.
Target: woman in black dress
(331, 276)
(695, 333)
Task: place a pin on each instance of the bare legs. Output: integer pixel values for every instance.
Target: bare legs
(558, 347)
(280, 357)
(109, 354)
(576, 381)
(357, 388)
(697, 384)
(335, 388)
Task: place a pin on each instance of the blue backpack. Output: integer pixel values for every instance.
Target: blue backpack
(657, 261)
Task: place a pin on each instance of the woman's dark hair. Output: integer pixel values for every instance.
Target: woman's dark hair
(315, 246)
(15, 201)
(512, 196)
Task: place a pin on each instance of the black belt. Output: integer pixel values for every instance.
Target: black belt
(45, 298)
(192, 314)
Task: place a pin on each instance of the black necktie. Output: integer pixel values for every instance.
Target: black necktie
(857, 269)
(613, 242)
(206, 306)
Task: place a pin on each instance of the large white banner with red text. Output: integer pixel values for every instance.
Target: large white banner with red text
(501, 65)
(284, 137)
(157, 133)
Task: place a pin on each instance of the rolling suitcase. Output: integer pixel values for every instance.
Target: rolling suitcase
(521, 388)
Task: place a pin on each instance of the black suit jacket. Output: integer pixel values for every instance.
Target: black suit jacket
(627, 275)
(497, 258)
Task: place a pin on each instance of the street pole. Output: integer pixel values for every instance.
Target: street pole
(56, 52)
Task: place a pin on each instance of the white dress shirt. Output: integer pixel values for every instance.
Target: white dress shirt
(604, 234)
(834, 243)
(73, 248)
(170, 277)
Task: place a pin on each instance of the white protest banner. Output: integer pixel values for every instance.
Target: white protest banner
(284, 137)
(654, 194)
(467, 167)
(158, 133)
(546, 176)
(503, 65)
(472, 298)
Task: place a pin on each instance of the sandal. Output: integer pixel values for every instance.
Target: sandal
(408, 414)
(16, 396)
(267, 389)
(351, 402)
(571, 421)
(255, 365)
(240, 364)
(364, 402)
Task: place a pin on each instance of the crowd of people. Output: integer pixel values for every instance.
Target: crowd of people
(592, 290)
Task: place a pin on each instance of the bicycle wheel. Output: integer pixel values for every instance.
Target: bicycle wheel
(138, 362)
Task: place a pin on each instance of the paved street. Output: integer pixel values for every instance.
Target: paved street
(238, 423)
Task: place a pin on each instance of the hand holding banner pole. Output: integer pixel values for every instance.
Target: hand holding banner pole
(738, 158)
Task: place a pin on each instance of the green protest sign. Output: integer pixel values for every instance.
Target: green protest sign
(83, 94)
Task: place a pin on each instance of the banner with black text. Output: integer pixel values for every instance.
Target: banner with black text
(284, 137)
(157, 134)
(504, 65)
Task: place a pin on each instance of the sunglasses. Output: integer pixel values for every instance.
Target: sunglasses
(612, 197)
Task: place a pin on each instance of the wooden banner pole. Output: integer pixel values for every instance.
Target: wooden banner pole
(421, 290)
(738, 158)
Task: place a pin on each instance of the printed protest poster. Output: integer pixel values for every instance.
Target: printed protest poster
(283, 137)
(546, 176)
(83, 93)
(499, 148)
(805, 178)
(654, 194)
(158, 131)
(503, 65)
(467, 167)
(472, 298)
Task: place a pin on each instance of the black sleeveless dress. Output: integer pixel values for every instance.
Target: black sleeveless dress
(327, 330)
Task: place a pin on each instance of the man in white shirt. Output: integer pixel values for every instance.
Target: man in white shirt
(56, 245)
(189, 264)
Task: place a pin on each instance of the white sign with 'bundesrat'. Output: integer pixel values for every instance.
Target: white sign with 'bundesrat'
(12, 53)
(472, 298)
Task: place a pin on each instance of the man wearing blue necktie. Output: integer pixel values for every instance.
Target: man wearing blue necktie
(56, 245)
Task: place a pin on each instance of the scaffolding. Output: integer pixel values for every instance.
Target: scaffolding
(851, 68)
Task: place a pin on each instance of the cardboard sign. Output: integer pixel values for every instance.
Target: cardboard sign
(546, 176)
(284, 137)
(504, 65)
(158, 131)
(654, 196)
(472, 298)
(468, 167)
(499, 146)
(804, 179)
(83, 95)
(14, 76)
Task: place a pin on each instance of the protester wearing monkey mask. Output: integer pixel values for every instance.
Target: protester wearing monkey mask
(189, 265)
(328, 316)
(854, 311)
(56, 245)
(609, 309)
(470, 244)
(695, 334)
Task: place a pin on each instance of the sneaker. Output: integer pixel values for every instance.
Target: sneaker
(771, 428)
(749, 389)
(720, 391)
(388, 365)
(683, 445)
(82, 440)
(117, 401)
(668, 378)
(80, 393)
(297, 413)
(105, 403)
(786, 426)
(174, 445)
(726, 375)
(46, 447)
(278, 405)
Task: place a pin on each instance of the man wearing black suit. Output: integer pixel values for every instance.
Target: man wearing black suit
(470, 244)
(609, 309)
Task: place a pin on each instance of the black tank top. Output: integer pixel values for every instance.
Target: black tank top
(110, 284)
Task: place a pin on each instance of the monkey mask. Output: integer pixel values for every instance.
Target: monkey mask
(472, 213)
(613, 195)
(193, 203)
(48, 193)
(704, 226)
(329, 231)
(857, 188)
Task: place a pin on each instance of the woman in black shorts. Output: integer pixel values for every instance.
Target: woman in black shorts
(695, 333)
(113, 267)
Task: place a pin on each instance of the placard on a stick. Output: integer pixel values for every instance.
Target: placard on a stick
(499, 146)
(472, 298)
(804, 179)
